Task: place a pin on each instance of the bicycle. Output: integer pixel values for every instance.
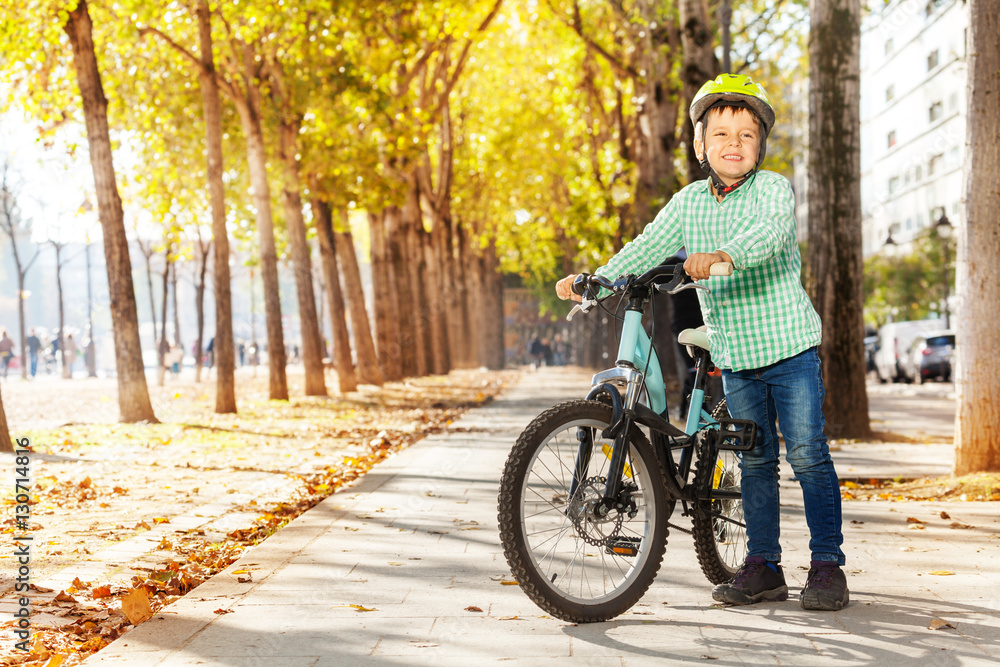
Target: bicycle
(586, 497)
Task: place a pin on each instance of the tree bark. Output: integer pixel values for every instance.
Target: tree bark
(133, 394)
(491, 311)
(368, 369)
(249, 112)
(402, 250)
(312, 340)
(223, 352)
(386, 314)
(977, 380)
(346, 377)
(835, 264)
(698, 66)
(163, 347)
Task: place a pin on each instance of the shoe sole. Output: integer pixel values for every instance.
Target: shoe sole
(734, 596)
(813, 603)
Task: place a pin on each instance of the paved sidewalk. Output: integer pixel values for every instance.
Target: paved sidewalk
(384, 574)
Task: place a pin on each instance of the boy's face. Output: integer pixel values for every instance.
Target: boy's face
(732, 143)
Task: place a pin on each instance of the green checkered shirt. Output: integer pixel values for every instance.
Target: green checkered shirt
(759, 315)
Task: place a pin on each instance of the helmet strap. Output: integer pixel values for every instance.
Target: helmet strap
(722, 189)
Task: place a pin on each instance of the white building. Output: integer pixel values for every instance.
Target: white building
(913, 107)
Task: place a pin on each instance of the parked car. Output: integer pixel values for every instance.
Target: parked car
(894, 340)
(929, 356)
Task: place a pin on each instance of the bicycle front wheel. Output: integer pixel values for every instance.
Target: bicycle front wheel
(572, 562)
(720, 532)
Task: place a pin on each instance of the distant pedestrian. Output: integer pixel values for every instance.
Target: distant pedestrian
(6, 351)
(210, 352)
(69, 356)
(535, 351)
(34, 345)
(559, 350)
(243, 351)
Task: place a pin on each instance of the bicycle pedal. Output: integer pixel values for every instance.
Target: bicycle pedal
(624, 546)
(738, 435)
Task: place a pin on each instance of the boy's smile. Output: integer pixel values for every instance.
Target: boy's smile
(732, 143)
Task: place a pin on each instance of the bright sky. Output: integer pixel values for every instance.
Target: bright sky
(51, 183)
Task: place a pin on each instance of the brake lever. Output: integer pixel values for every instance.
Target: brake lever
(584, 306)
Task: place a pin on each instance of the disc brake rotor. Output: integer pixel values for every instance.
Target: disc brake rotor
(592, 529)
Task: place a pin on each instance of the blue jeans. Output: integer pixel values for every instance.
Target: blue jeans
(790, 391)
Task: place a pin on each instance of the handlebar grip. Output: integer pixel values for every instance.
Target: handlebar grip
(579, 285)
(721, 269)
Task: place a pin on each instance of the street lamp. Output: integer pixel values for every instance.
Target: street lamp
(890, 245)
(944, 229)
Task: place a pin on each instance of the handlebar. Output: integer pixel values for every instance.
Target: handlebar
(586, 285)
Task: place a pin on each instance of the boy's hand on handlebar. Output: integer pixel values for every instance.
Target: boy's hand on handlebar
(564, 288)
(699, 264)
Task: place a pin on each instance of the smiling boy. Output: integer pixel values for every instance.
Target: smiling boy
(763, 332)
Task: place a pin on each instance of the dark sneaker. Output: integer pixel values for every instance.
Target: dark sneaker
(826, 587)
(755, 582)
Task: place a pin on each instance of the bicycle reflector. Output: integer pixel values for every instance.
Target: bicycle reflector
(738, 435)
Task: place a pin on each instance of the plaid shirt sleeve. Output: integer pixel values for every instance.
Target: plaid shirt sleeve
(769, 236)
(660, 240)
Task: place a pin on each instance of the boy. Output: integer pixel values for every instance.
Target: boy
(762, 328)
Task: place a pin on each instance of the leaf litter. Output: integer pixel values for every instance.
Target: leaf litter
(98, 484)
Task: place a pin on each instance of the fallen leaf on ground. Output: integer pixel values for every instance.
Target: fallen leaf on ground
(79, 585)
(223, 611)
(917, 526)
(941, 573)
(957, 524)
(913, 519)
(945, 515)
(358, 607)
(135, 606)
(101, 592)
(63, 596)
(508, 583)
(938, 624)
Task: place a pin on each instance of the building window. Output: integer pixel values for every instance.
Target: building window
(890, 92)
(936, 111)
(893, 185)
(932, 60)
(891, 139)
(920, 173)
(935, 165)
(888, 46)
(953, 102)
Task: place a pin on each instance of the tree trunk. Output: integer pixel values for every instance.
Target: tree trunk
(977, 380)
(149, 282)
(223, 351)
(463, 336)
(368, 369)
(835, 264)
(656, 125)
(312, 340)
(199, 298)
(20, 321)
(6, 444)
(133, 394)
(346, 377)
(62, 311)
(492, 327)
(177, 316)
(386, 313)
(400, 236)
(163, 347)
(249, 111)
(699, 65)
(404, 227)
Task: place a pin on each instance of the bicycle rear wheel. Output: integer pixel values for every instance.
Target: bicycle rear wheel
(720, 533)
(572, 563)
